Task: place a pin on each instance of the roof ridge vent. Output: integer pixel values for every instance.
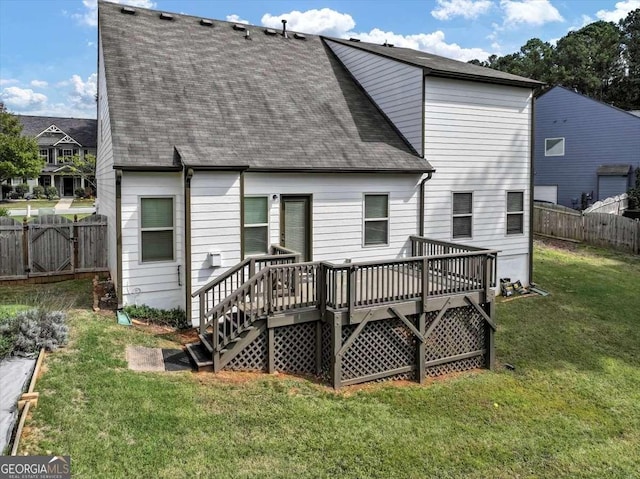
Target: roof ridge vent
(239, 27)
(166, 16)
(299, 36)
(352, 39)
(284, 28)
(386, 44)
(128, 10)
(270, 31)
(206, 22)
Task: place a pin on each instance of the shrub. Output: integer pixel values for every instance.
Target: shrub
(38, 191)
(4, 211)
(51, 192)
(176, 318)
(28, 331)
(634, 193)
(6, 190)
(79, 193)
(22, 189)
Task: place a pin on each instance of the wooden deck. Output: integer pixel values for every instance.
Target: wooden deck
(266, 294)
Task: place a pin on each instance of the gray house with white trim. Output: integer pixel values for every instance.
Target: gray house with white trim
(583, 146)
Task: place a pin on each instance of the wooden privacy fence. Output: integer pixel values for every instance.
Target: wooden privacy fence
(52, 245)
(599, 229)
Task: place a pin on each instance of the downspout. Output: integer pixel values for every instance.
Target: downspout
(119, 237)
(187, 242)
(531, 185)
(422, 204)
(241, 215)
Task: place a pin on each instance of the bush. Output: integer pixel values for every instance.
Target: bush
(4, 211)
(51, 192)
(38, 191)
(6, 190)
(22, 189)
(79, 193)
(634, 193)
(176, 318)
(28, 331)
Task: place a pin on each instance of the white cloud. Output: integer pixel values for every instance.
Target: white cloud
(320, 22)
(531, 12)
(90, 15)
(22, 98)
(448, 9)
(335, 24)
(39, 83)
(584, 21)
(8, 81)
(84, 92)
(620, 12)
(236, 19)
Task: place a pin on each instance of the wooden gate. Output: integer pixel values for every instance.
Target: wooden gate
(50, 245)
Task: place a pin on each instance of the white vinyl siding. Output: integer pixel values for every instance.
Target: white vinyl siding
(477, 137)
(105, 174)
(515, 212)
(395, 87)
(159, 284)
(376, 220)
(554, 147)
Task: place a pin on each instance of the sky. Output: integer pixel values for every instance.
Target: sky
(48, 48)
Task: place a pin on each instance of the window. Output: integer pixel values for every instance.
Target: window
(256, 225)
(44, 154)
(156, 229)
(462, 215)
(376, 220)
(554, 147)
(515, 212)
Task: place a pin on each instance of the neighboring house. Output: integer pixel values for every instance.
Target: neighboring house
(583, 146)
(58, 139)
(217, 140)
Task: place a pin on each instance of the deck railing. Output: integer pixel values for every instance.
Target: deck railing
(276, 283)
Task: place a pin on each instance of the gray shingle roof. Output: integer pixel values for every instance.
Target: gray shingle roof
(83, 130)
(441, 66)
(220, 99)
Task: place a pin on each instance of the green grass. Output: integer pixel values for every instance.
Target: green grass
(83, 202)
(570, 409)
(20, 218)
(35, 204)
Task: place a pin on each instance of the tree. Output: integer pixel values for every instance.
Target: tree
(18, 154)
(84, 167)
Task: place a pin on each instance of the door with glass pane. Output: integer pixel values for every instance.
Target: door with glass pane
(295, 224)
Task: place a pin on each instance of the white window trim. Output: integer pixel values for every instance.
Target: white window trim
(141, 229)
(506, 209)
(546, 149)
(257, 225)
(463, 215)
(365, 219)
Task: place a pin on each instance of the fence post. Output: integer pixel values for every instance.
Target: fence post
(25, 246)
(74, 242)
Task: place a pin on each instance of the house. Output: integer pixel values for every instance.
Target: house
(226, 148)
(58, 139)
(582, 147)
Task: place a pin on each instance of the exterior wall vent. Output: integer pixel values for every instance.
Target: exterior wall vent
(205, 22)
(352, 39)
(299, 36)
(128, 10)
(166, 16)
(270, 31)
(239, 27)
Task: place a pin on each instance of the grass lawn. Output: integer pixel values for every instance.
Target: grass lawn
(35, 204)
(83, 202)
(570, 409)
(20, 218)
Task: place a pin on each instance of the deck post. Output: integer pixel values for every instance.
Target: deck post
(318, 348)
(271, 346)
(425, 283)
(489, 345)
(422, 348)
(336, 358)
(202, 313)
(351, 291)
(487, 279)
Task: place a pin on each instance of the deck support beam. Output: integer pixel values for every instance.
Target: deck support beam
(421, 349)
(336, 358)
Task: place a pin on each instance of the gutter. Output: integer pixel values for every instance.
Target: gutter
(422, 204)
(119, 237)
